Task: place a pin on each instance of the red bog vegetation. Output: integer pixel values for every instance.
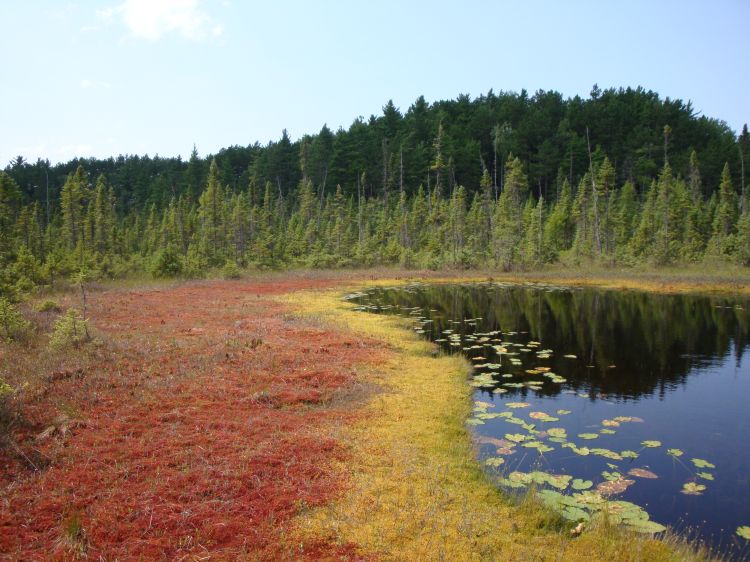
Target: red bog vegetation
(203, 432)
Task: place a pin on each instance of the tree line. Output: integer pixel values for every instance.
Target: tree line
(416, 189)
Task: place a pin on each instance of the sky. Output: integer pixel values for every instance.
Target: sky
(159, 76)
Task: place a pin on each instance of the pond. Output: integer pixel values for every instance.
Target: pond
(620, 401)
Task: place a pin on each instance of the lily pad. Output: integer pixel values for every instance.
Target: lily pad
(700, 463)
(642, 473)
(645, 526)
(515, 437)
(744, 532)
(517, 404)
(606, 431)
(474, 421)
(563, 412)
(675, 452)
(693, 489)
(629, 454)
(579, 484)
(606, 453)
(614, 487)
(588, 435)
(557, 432)
(705, 475)
(494, 461)
(570, 356)
(651, 444)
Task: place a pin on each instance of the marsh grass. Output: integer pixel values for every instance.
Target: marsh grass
(414, 490)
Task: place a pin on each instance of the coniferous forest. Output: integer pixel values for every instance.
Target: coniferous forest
(508, 181)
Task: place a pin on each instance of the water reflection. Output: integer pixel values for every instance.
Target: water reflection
(627, 344)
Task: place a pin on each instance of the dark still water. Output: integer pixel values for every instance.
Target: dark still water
(626, 402)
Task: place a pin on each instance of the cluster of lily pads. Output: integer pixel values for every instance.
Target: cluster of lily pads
(584, 502)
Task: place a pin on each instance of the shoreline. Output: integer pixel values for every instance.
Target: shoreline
(415, 489)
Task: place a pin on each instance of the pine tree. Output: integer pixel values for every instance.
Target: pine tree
(211, 217)
(508, 228)
(724, 218)
(558, 230)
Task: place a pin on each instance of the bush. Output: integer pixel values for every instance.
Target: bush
(168, 263)
(12, 323)
(230, 270)
(71, 330)
(48, 306)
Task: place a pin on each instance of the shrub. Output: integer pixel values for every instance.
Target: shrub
(71, 330)
(48, 306)
(230, 270)
(168, 263)
(12, 323)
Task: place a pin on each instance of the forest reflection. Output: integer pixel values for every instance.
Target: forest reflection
(627, 343)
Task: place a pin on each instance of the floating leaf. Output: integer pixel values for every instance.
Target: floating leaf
(700, 463)
(499, 391)
(645, 526)
(675, 452)
(642, 473)
(611, 476)
(515, 437)
(588, 435)
(614, 487)
(705, 475)
(483, 405)
(494, 461)
(563, 412)
(474, 421)
(579, 484)
(606, 453)
(744, 532)
(557, 432)
(651, 444)
(517, 404)
(542, 416)
(629, 454)
(610, 423)
(692, 489)
(606, 431)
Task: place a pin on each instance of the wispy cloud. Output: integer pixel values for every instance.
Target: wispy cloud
(152, 19)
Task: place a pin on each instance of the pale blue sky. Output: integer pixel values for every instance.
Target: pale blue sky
(155, 76)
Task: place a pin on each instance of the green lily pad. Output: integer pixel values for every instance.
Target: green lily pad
(611, 476)
(705, 475)
(675, 452)
(557, 432)
(651, 444)
(563, 412)
(579, 484)
(515, 437)
(700, 463)
(606, 431)
(494, 461)
(588, 435)
(647, 527)
(629, 454)
(606, 453)
(692, 489)
(575, 514)
(474, 421)
(744, 532)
